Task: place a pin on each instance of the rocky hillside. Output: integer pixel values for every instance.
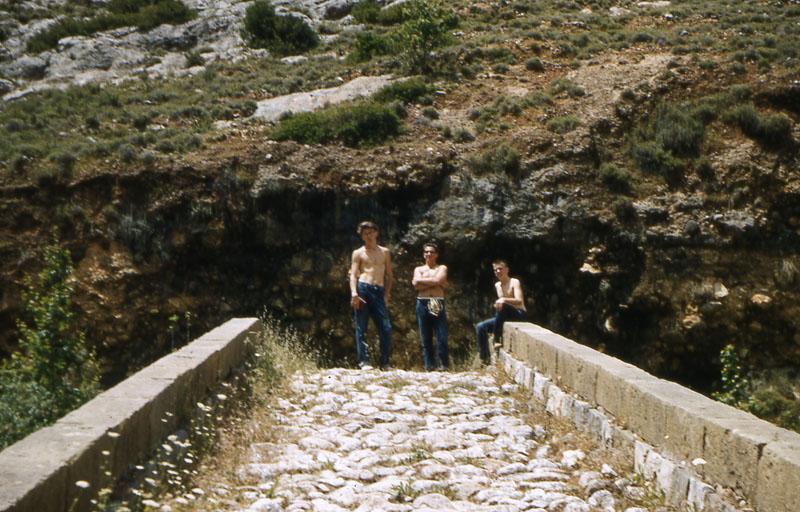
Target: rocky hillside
(635, 161)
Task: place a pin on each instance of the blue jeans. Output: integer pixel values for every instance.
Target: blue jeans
(428, 323)
(495, 326)
(374, 308)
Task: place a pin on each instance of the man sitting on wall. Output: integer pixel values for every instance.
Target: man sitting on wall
(510, 305)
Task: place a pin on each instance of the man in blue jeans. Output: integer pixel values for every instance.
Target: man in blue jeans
(509, 306)
(430, 280)
(370, 291)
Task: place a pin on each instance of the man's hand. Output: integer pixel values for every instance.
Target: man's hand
(387, 298)
(498, 304)
(357, 302)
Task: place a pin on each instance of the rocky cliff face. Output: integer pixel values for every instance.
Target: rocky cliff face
(271, 226)
(661, 268)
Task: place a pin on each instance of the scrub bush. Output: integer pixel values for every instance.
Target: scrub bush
(53, 371)
(282, 34)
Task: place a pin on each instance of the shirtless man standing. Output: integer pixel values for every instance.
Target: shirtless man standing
(370, 291)
(430, 280)
(510, 305)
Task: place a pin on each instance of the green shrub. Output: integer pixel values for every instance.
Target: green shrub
(678, 131)
(616, 179)
(141, 121)
(461, 134)
(407, 91)
(137, 234)
(366, 11)
(567, 86)
(127, 153)
(651, 157)
(368, 44)
(563, 124)
(534, 64)
(53, 371)
(772, 130)
(281, 34)
(498, 55)
(430, 113)
(194, 59)
(502, 159)
(65, 165)
(425, 28)
(359, 124)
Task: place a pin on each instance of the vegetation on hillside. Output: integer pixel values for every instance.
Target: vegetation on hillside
(54, 370)
(283, 34)
(725, 55)
(142, 14)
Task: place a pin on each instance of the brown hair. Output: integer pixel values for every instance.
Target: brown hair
(501, 262)
(367, 224)
(432, 245)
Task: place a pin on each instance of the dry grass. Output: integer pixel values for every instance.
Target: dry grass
(278, 354)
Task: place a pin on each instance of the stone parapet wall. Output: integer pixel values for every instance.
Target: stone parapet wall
(129, 420)
(680, 437)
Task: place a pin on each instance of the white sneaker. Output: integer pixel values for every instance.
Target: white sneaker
(367, 367)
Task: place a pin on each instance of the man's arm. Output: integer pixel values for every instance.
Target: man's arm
(438, 280)
(387, 281)
(355, 271)
(416, 280)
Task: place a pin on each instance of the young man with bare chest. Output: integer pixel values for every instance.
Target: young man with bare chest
(509, 306)
(370, 291)
(430, 280)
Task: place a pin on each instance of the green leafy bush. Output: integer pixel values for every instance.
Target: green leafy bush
(425, 28)
(772, 130)
(534, 64)
(564, 85)
(366, 11)
(368, 44)
(735, 387)
(563, 124)
(369, 11)
(502, 159)
(651, 157)
(616, 179)
(53, 371)
(407, 91)
(282, 34)
(359, 124)
(770, 395)
(677, 130)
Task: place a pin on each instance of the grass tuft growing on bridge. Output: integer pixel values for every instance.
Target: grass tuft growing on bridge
(223, 427)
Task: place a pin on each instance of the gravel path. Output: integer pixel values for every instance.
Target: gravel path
(403, 441)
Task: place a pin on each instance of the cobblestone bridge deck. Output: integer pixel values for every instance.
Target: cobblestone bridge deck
(402, 441)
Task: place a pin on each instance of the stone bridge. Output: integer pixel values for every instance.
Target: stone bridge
(402, 441)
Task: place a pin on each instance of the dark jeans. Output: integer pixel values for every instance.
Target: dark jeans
(374, 308)
(429, 323)
(495, 326)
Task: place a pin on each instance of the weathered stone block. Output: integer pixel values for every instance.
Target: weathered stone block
(540, 356)
(779, 477)
(615, 383)
(37, 463)
(578, 368)
(733, 448)
(127, 417)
